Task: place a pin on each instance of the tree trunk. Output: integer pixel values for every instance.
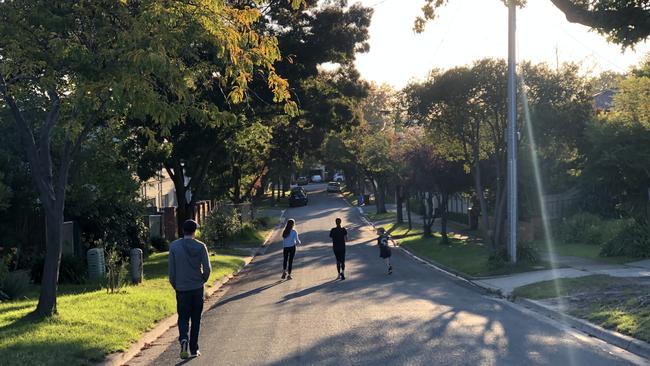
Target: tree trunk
(408, 211)
(380, 201)
(428, 217)
(183, 208)
(499, 219)
(53, 248)
(273, 189)
(236, 196)
(443, 217)
(399, 204)
(278, 187)
(484, 209)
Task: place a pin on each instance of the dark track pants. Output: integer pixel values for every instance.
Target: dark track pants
(288, 254)
(189, 305)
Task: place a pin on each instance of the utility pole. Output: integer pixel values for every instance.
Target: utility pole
(512, 133)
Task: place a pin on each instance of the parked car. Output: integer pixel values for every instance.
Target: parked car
(334, 187)
(299, 189)
(302, 181)
(298, 197)
(339, 177)
(316, 179)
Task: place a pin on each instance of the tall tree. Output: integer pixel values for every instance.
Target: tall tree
(68, 68)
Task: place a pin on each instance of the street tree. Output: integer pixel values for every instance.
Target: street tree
(68, 68)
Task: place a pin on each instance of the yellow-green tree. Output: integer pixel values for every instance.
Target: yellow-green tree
(70, 68)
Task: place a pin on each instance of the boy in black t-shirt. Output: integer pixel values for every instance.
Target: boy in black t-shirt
(384, 250)
(339, 236)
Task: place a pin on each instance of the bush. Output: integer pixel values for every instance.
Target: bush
(219, 226)
(116, 271)
(262, 222)
(587, 228)
(4, 269)
(525, 254)
(417, 205)
(580, 228)
(632, 241)
(72, 270)
(159, 244)
(14, 285)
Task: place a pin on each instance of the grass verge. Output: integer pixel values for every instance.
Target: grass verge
(620, 304)
(91, 323)
(461, 254)
(587, 251)
(381, 216)
(350, 197)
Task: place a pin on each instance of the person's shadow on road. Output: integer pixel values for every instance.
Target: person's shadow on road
(306, 291)
(246, 294)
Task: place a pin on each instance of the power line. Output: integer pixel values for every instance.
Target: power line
(378, 3)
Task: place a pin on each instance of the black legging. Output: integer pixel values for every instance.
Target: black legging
(288, 254)
(340, 260)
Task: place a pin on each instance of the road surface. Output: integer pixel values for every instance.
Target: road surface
(416, 316)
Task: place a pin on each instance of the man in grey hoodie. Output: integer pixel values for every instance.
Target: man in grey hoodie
(189, 269)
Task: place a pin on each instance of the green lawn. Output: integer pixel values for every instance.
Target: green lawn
(588, 251)
(561, 287)
(461, 254)
(382, 216)
(620, 304)
(91, 323)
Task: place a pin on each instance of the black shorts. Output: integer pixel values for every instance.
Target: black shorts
(340, 255)
(384, 252)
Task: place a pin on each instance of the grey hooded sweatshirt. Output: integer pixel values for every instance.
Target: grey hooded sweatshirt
(189, 264)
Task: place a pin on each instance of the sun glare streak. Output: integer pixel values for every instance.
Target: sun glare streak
(548, 234)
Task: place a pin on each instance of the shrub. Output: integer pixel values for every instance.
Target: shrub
(116, 271)
(219, 226)
(159, 244)
(632, 241)
(4, 269)
(417, 205)
(15, 284)
(587, 228)
(580, 228)
(262, 222)
(72, 270)
(525, 254)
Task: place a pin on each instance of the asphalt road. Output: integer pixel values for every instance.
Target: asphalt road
(416, 316)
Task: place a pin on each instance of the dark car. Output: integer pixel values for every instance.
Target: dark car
(298, 197)
(302, 181)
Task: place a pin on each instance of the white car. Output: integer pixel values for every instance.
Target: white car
(316, 179)
(334, 187)
(338, 177)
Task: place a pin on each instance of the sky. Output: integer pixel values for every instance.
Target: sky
(468, 30)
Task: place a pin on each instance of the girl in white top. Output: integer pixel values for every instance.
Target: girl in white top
(289, 241)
